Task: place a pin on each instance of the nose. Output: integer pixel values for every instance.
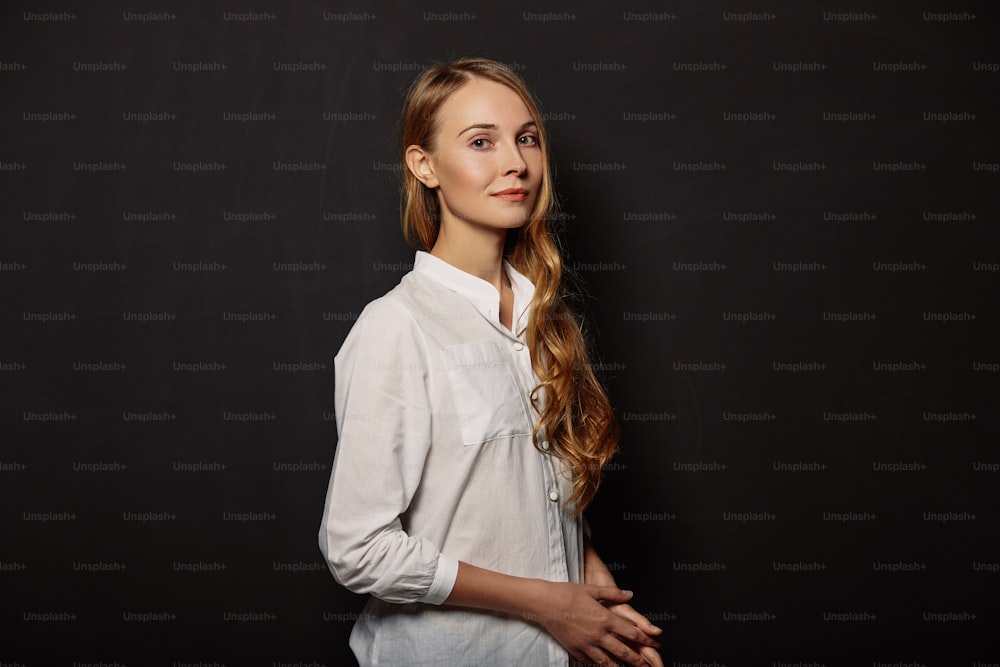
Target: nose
(513, 160)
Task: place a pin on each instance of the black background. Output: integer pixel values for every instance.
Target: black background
(92, 585)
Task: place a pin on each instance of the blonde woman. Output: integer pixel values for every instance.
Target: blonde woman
(472, 431)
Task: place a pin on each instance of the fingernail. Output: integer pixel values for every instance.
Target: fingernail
(626, 592)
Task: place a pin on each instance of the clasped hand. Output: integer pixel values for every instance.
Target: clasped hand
(596, 625)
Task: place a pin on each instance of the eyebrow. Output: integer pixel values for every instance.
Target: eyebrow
(492, 126)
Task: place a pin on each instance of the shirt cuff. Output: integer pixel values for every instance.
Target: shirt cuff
(444, 580)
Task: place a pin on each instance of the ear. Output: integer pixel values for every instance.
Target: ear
(418, 161)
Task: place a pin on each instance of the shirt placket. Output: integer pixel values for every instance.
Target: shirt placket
(553, 505)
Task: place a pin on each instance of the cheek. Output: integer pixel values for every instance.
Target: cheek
(466, 172)
(534, 162)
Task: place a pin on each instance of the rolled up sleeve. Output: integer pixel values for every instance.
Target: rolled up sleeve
(384, 434)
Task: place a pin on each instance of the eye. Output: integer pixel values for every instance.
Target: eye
(527, 140)
(480, 143)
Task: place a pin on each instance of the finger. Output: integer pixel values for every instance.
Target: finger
(621, 652)
(627, 612)
(611, 594)
(628, 631)
(648, 653)
(651, 656)
(596, 656)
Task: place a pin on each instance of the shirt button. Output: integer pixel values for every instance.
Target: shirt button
(544, 444)
(553, 496)
(518, 346)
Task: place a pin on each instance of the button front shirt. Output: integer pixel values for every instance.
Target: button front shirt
(435, 464)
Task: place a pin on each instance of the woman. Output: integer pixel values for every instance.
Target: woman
(472, 431)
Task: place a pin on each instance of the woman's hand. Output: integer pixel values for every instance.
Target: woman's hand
(597, 574)
(580, 617)
(594, 623)
(646, 651)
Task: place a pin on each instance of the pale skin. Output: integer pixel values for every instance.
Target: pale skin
(486, 168)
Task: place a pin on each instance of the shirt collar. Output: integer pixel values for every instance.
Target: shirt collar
(479, 292)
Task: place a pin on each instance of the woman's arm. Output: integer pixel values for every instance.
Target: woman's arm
(575, 614)
(384, 436)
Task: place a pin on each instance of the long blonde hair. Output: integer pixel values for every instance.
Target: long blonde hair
(576, 416)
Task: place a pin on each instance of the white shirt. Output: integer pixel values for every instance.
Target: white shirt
(435, 464)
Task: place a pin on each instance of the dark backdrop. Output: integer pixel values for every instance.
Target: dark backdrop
(784, 215)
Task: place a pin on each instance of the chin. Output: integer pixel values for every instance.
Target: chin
(505, 221)
(515, 224)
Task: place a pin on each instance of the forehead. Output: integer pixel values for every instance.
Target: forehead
(484, 101)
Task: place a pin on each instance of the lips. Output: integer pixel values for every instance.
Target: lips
(511, 194)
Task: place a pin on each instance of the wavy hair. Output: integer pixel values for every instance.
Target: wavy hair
(575, 414)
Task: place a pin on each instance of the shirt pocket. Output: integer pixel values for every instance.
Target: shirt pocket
(488, 404)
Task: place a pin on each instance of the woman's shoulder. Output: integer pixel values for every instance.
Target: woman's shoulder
(399, 305)
(392, 310)
(418, 311)
(393, 315)
(413, 297)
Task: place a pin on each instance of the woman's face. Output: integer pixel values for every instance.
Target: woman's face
(487, 162)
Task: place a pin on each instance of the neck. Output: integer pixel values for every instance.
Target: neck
(476, 251)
